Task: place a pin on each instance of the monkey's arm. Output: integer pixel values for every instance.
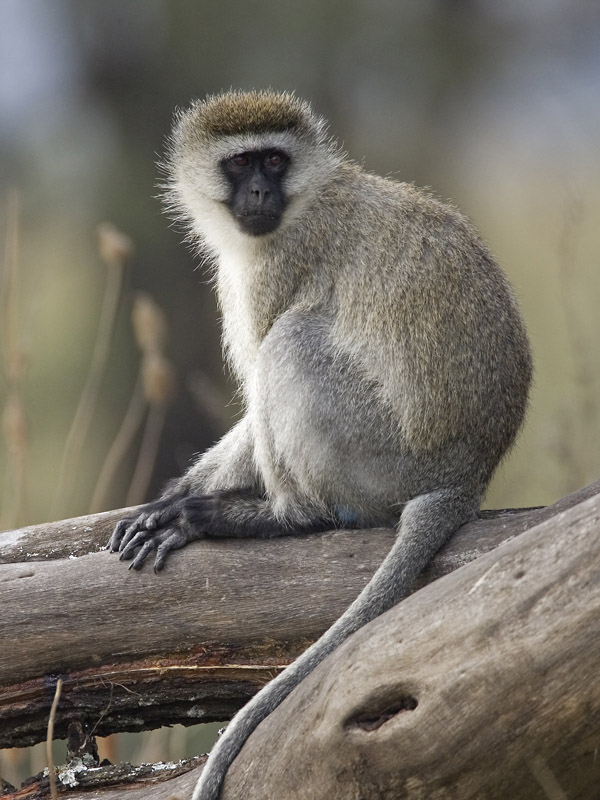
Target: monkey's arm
(159, 525)
(229, 464)
(426, 523)
(179, 518)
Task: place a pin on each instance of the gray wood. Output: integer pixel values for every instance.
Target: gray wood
(501, 657)
(484, 684)
(137, 650)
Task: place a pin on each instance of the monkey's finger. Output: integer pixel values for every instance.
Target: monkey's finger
(141, 556)
(135, 532)
(134, 540)
(162, 516)
(141, 522)
(117, 534)
(175, 539)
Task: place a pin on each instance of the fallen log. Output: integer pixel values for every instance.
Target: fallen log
(484, 684)
(228, 616)
(136, 650)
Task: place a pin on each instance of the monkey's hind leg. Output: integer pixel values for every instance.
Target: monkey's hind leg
(427, 522)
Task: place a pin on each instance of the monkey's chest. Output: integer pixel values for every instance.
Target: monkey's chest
(247, 319)
(318, 426)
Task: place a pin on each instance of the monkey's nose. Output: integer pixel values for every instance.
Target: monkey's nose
(259, 194)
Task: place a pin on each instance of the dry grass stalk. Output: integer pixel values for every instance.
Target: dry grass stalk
(14, 420)
(132, 421)
(154, 390)
(149, 324)
(546, 779)
(158, 384)
(138, 488)
(115, 248)
(50, 737)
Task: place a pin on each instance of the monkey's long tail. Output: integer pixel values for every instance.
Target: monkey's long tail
(427, 522)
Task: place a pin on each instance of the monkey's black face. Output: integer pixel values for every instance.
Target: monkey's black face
(257, 199)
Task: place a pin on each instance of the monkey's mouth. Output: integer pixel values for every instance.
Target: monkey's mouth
(258, 224)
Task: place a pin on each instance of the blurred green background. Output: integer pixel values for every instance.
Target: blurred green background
(496, 106)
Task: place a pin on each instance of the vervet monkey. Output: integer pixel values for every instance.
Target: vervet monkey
(380, 353)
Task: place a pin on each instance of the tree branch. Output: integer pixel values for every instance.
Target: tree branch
(481, 685)
(136, 650)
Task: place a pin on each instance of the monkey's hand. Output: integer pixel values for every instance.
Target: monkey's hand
(161, 525)
(179, 518)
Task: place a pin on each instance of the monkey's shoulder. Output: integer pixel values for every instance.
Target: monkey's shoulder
(396, 236)
(395, 211)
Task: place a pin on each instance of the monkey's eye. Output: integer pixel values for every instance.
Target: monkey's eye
(276, 160)
(240, 160)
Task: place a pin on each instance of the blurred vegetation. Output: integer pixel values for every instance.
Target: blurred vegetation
(495, 106)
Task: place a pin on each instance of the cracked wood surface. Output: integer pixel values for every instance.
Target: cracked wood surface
(137, 650)
(482, 684)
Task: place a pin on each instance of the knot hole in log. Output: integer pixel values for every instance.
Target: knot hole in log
(377, 713)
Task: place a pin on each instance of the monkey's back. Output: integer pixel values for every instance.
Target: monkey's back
(421, 305)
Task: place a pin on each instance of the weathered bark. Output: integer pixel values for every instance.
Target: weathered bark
(137, 650)
(483, 684)
(228, 615)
